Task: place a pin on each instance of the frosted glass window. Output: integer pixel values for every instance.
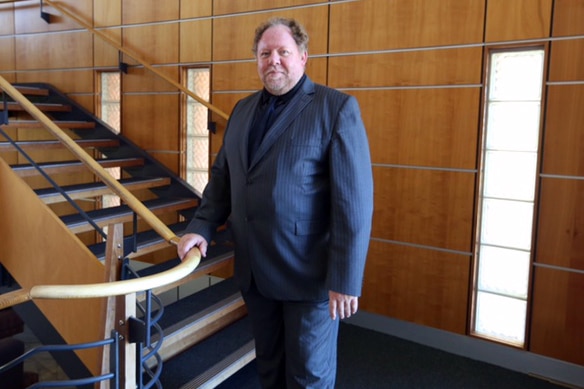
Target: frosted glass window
(513, 126)
(504, 271)
(518, 182)
(509, 174)
(197, 123)
(500, 317)
(507, 223)
(110, 109)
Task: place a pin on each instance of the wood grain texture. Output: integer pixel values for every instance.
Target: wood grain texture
(568, 17)
(393, 24)
(561, 224)
(417, 285)
(196, 41)
(425, 207)
(557, 315)
(428, 67)
(518, 19)
(422, 127)
(146, 11)
(567, 60)
(563, 138)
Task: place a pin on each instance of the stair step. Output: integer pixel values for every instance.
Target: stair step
(45, 107)
(222, 335)
(27, 170)
(192, 319)
(55, 144)
(224, 369)
(32, 91)
(122, 214)
(71, 124)
(94, 189)
(193, 368)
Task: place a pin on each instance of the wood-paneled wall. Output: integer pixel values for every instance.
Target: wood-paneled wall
(416, 68)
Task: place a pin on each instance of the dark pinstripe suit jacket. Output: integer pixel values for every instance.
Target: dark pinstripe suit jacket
(301, 209)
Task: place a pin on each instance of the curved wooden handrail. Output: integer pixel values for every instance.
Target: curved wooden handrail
(137, 58)
(118, 288)
(105, 289)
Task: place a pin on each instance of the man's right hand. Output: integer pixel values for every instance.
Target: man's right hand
(189, 241)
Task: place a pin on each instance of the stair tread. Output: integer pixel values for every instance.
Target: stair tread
(15, 123)
(144, 239)
(190, 305)
(184, 367)
(100, 215)
(45, 144)
(26, 166)
(44, 192)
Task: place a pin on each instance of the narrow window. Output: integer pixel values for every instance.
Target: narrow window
(196, 152)
(510, 156)
(109, 110)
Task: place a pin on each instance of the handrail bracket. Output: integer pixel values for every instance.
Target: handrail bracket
(45, 15)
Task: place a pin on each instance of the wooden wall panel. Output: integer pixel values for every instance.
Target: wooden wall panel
(140, 79)
(86, 101)
(393, 24)
(54, 51)
(558, 318)
(195, 8)
(234, 76)
(107, 13)
(7, 59)
(567, 60)
(104, 54)
(146, 11)
(67, 81)
(28, 19)
(563, 137)
(151, 121)
(561, 222)
(155, 44)
(195, 41)
(422, 127)
(222, 7)
(517, 19)
(425, 207)
(417, 285)
(568, 17)
(234, 35)
(435, 67)
(6, 19)
(171, 161)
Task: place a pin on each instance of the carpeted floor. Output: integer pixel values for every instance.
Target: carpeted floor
(371, 360)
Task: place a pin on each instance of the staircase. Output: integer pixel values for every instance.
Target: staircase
(206, 334)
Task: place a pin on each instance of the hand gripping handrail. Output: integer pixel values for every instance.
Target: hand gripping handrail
(136, 57)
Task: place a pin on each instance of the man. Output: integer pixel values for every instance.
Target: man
(299, 201)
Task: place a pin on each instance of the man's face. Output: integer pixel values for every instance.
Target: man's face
(280, 63)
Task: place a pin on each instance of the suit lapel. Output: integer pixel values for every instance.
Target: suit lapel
(246, 126)
(284, 120)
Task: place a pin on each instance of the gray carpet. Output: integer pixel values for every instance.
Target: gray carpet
(371, 360)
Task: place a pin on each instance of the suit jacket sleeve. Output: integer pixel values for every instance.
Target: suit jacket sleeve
(351, 201)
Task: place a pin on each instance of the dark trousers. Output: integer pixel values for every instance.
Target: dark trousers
(296, 342)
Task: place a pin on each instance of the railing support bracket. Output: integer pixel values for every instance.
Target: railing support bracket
(136, 330)
(45, 15)
(123, 66)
